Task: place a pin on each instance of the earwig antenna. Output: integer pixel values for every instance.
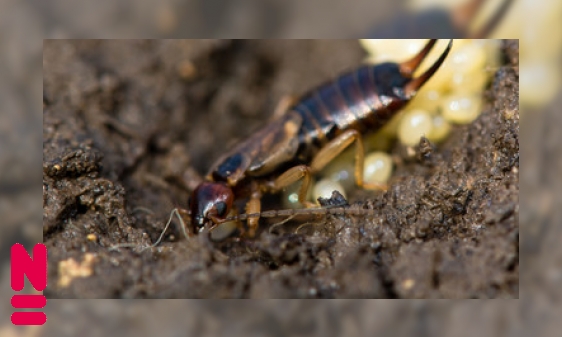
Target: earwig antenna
(142, 209)
(290, 214)
(131, 245)
(304, 225)
(275, 225)
(182, 223)
(308, 212)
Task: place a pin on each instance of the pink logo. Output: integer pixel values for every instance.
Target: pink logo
(36, 271)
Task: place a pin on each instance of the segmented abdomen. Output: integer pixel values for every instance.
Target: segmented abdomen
(357, 100)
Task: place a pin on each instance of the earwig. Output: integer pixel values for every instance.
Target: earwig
(310, 133)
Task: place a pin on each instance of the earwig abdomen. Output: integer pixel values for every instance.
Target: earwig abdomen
(364, 100)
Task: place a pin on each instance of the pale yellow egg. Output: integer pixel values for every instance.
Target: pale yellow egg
(440, 130)
(469, 82)
(426, 99)
(467, 58)
(378, 167)
(414, 124)
(290, 195)
(341, 169)
(461, 108)
(324, 188)
(492, 48)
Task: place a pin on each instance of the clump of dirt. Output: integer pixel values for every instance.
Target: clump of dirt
(130, 126)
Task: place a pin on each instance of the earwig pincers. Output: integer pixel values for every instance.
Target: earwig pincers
(309, 134)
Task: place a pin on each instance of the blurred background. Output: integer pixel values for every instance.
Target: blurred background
(23, 26)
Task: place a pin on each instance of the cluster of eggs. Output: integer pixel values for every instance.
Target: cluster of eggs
(452, 96)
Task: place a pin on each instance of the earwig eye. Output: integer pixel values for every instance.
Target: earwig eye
(221, 208)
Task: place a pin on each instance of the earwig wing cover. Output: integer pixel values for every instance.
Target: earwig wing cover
(278, 144)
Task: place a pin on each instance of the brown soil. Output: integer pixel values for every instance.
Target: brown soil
(130, 125)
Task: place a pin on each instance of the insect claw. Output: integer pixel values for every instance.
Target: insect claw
(407, 68)
(412, 87)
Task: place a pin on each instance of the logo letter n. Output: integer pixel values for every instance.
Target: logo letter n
(35, 269)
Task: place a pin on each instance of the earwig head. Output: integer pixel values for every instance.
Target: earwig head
(210, 202)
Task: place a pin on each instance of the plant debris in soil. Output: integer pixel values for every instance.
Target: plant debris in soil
(130, 126)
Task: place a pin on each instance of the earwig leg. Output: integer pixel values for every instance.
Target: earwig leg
(336, 147)
(239, 224)
(253, 206)
(284, 105)
(293, 175)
